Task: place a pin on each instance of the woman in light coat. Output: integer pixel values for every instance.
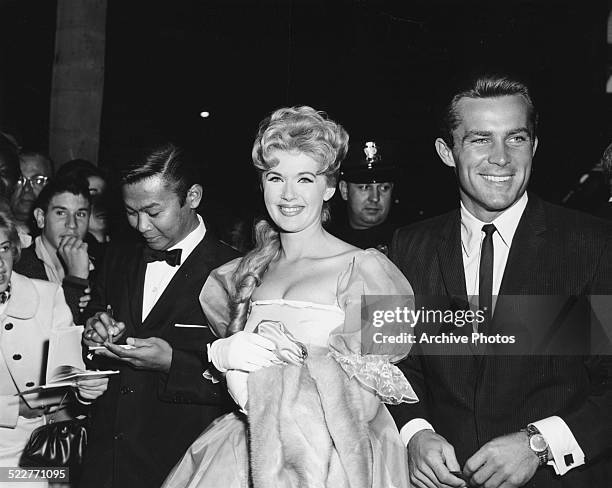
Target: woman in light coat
(37, 334)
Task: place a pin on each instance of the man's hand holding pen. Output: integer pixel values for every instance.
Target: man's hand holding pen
(102, 329)
(150, 353)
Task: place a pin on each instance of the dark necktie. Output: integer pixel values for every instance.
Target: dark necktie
(485, 288)
(173, 258)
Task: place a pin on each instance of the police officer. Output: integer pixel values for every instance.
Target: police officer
(366, 184)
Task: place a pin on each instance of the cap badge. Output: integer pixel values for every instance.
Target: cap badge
(370, 151)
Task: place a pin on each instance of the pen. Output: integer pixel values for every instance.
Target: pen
(127, 347)
(109, 312)
(461, 476)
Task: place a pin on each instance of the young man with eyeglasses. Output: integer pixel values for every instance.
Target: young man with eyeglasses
(35, 171)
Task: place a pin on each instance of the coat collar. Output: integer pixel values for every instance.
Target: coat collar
(450, 258)
(526, 248)
(24, 298)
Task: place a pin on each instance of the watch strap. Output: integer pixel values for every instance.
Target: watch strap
(532, 430)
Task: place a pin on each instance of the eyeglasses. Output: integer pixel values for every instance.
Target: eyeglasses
(36, 181)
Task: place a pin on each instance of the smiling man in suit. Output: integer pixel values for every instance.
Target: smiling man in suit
(146, 296)
(504, 420)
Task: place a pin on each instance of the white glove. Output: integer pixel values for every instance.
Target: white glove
(245, 351)
(237, 382)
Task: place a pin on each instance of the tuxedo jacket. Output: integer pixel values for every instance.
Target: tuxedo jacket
(146, 420)
(471, 399)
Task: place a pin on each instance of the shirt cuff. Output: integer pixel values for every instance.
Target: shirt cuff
(412, 427)
(566, 453)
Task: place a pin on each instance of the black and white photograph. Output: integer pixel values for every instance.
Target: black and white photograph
(305, 244)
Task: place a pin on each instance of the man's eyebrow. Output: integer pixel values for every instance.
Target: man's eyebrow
(58, 207)
(519, 130)
(479, 133)
(146, 207)
(5, 243)
(484, 133)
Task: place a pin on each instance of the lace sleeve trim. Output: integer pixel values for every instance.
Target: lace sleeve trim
(378, 375)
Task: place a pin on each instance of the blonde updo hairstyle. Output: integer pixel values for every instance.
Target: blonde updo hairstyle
(292, 129)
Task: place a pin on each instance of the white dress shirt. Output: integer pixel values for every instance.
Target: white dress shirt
(160, 273)
(554, 429)
(471, 245)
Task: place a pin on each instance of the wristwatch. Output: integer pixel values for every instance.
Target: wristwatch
(537, 443)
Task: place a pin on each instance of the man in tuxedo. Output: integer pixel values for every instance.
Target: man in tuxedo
(146, 297)
(504, 420)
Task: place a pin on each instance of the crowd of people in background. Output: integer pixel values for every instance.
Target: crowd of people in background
(45, 286)
(236, 340)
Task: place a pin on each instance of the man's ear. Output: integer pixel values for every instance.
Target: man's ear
(535, 146)
(194, 196)
(39, 216)
(445, 152)
(329, 192)
(343, 187)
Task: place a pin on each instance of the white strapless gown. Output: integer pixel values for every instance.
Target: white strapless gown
(219, 457)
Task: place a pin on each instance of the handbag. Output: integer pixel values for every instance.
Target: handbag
(57, 444)
(288, 349)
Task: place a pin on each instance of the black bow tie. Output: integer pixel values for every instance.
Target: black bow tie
(173, 258)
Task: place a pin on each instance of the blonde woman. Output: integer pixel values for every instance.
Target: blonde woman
(288, 314)
(36, 331)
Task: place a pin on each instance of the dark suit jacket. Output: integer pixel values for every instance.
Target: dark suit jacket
(471, 399)
(146, 420)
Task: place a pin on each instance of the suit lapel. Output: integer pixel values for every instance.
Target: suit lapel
(525, 249)
(187, 280)
(451, 262)
(450, 257)
(523, 258)
(135, 287)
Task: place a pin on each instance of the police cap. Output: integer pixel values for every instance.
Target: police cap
(366, 164)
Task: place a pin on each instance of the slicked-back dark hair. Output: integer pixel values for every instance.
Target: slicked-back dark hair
(485, 86)
(166, 161)
(67, 184)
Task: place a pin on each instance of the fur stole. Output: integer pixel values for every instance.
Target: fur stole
(307, 427)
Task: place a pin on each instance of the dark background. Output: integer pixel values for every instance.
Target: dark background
(377, 67)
